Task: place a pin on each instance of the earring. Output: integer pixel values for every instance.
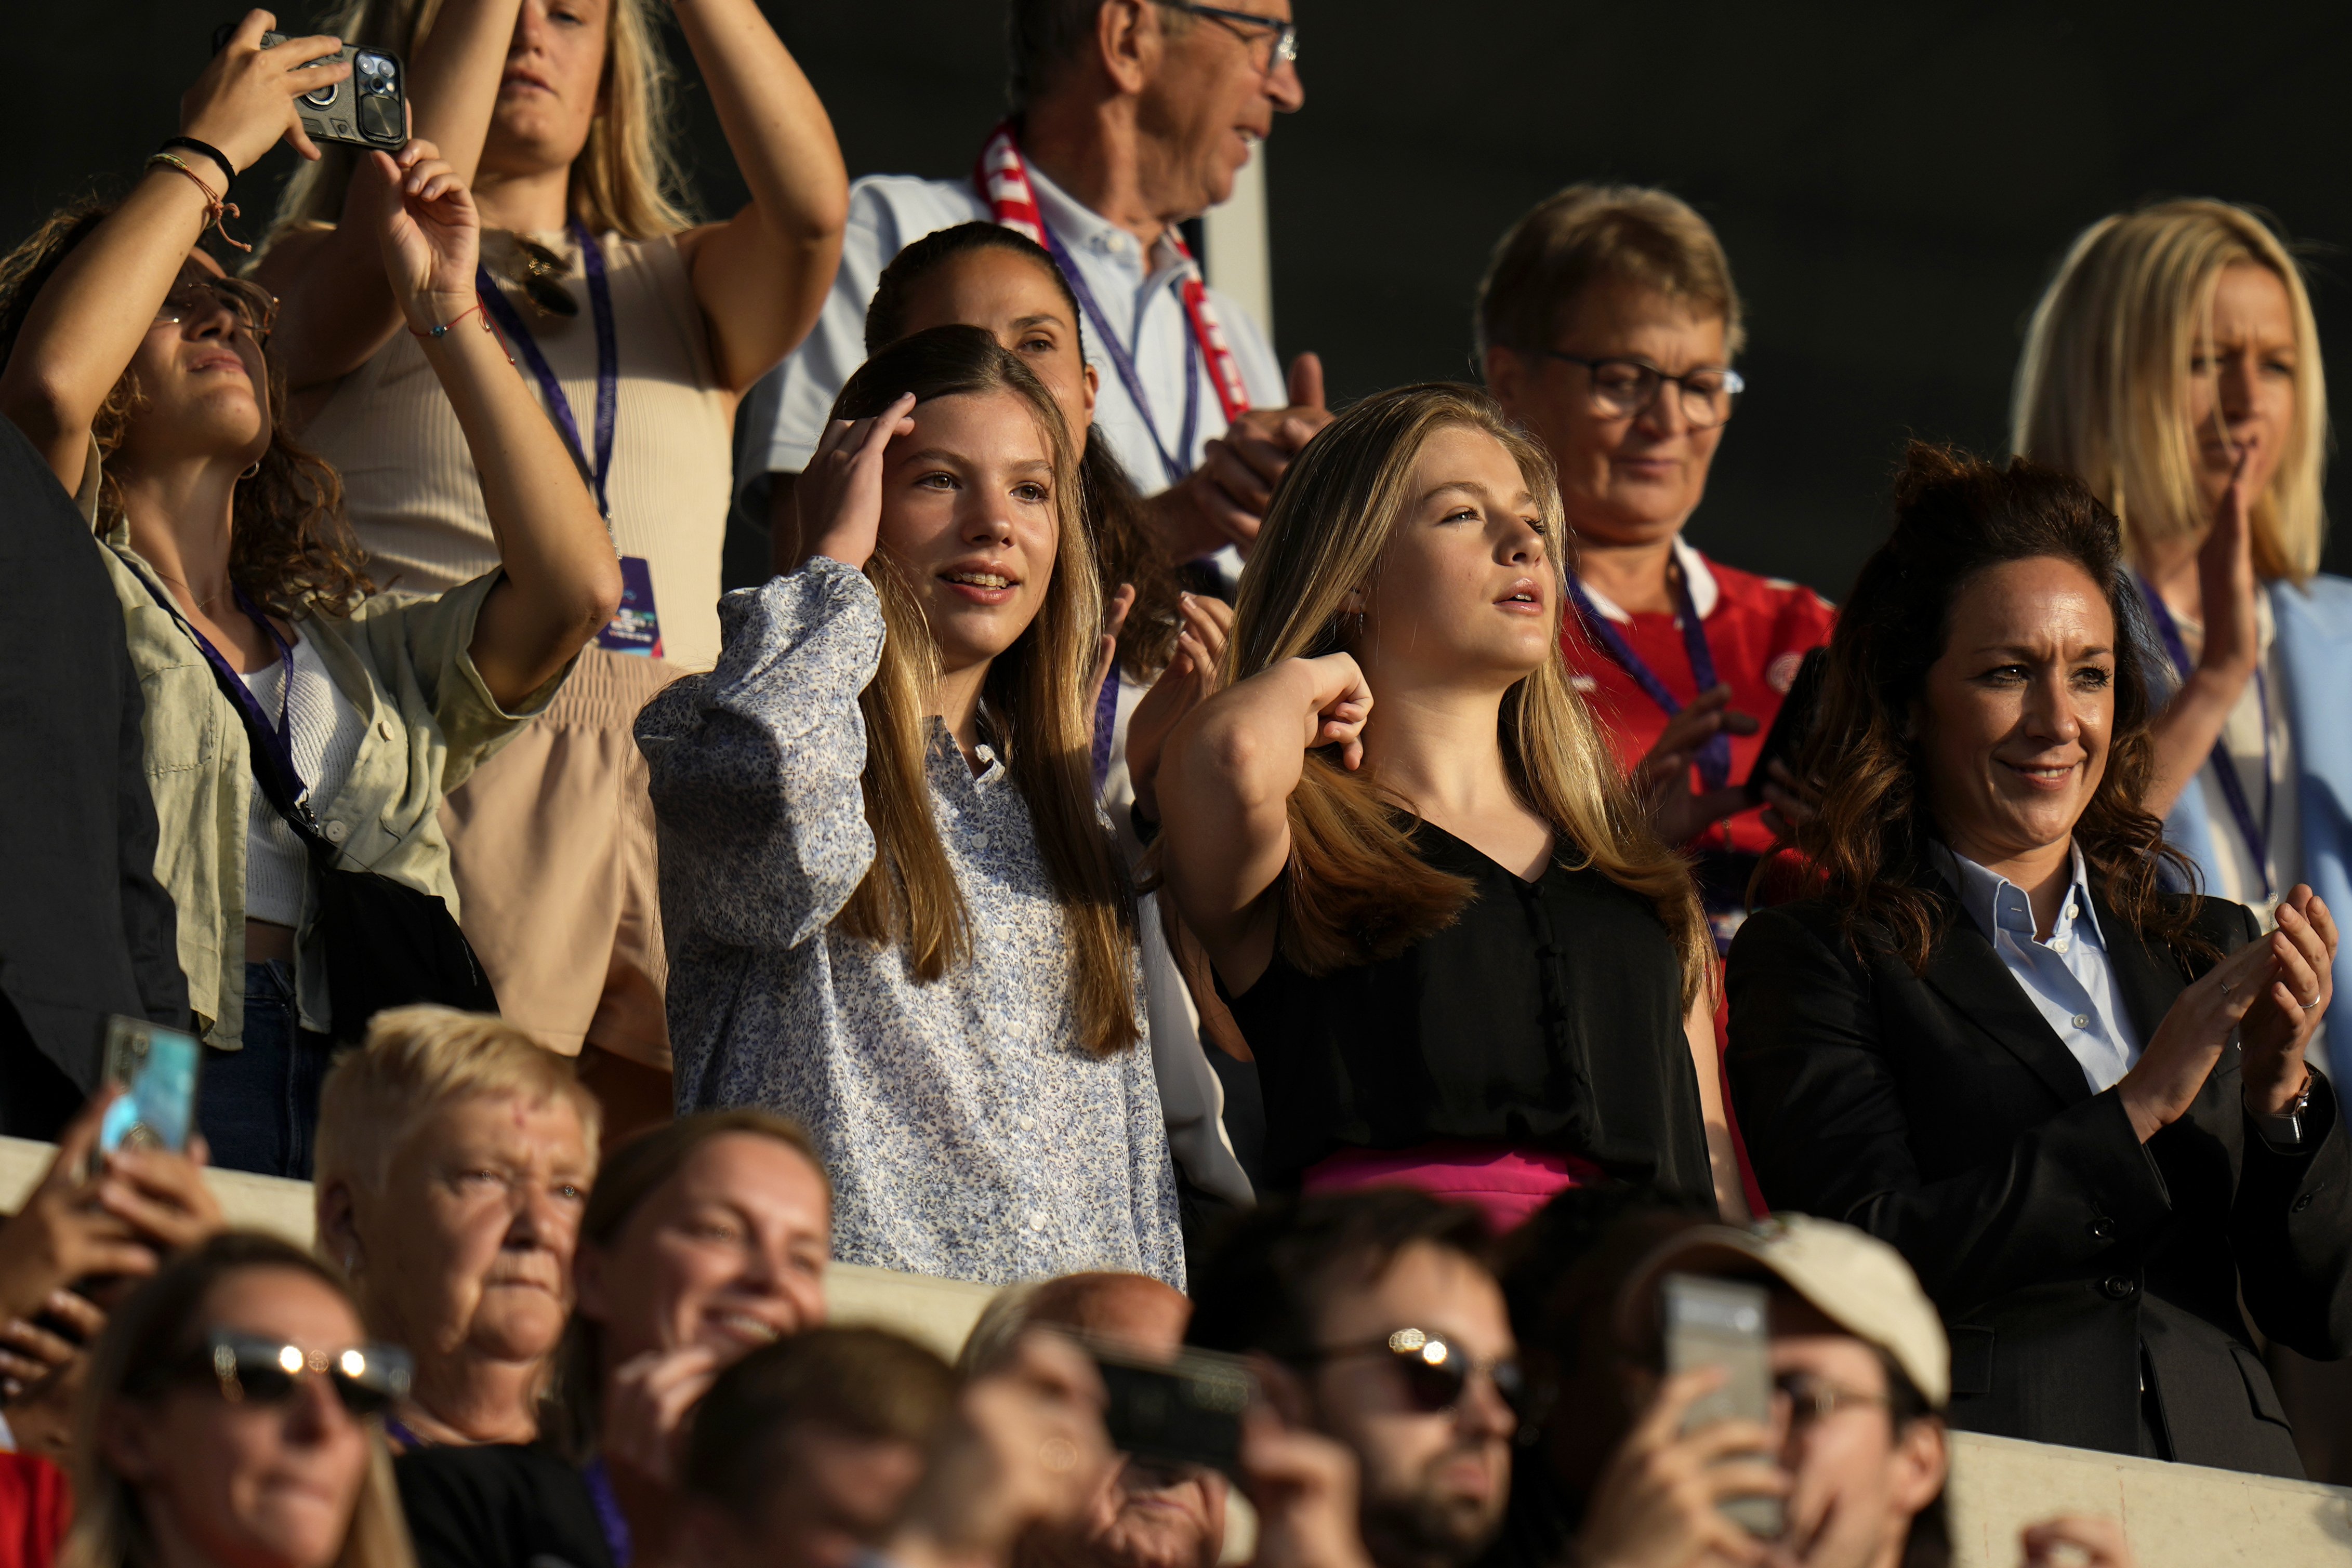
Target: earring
(252, 471)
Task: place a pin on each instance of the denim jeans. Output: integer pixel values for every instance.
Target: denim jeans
(258, 1107)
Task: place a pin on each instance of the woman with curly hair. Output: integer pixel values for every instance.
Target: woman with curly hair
(2078, 1103)
(137, 370)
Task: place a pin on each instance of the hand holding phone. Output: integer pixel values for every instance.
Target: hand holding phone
(243, 101)
(1725, 1325)
(342, 93)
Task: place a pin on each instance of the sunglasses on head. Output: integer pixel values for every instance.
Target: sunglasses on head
(249, 1370)
(1435, 1370)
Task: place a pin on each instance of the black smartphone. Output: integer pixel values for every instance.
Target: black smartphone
(368, 107)
(1726, 1324)
(1186, 1411)
(1801, 710)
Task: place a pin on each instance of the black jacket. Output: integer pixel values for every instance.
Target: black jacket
(1940, 1113)
(86, 929)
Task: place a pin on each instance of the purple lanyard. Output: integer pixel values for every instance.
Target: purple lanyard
(2255, 835)
(1715, 757)
(1180, 463)
(279, 733)
(615, 1523)
(608, 361)
(1105, 723)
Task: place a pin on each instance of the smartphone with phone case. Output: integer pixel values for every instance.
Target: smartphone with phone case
(1793, 725)
(1182, 1412)
(156, 1067)
(368, 107)
(1726, 1324)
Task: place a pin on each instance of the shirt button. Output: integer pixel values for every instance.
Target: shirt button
(2082, 1020)
(2060, 946)
(2103, 1228)
(979, 840)
(1037, 1222)
(384, 728)
(2114, 1286)
(338, 831)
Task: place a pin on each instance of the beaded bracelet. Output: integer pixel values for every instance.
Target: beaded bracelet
(215, 206)
(443, 330)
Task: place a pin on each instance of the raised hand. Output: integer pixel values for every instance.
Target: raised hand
(1657, 1505)
(1304, 1486)
(839, 493)
(1340, 701)
(2226, 582)
(2279, 1027)
(1662, 779)
(62, 1233)
(432, 236)
(243, 102)
(2096, 1542)
(1106, 645)
(1191, 676)
(645, 1417)
(1223, 500)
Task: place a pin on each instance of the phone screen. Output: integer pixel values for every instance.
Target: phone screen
(157, 1069)
(1726, 1324)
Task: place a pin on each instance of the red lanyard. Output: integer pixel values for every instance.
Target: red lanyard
(1002, 178)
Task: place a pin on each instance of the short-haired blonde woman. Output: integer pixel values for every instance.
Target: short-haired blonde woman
(198, 1448)
(1462, 958)
(1607, 325)
(638, 330)
(454, 1159)
(897, 913)
(2175, 367)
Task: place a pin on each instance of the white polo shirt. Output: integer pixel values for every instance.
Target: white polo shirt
(786, 412)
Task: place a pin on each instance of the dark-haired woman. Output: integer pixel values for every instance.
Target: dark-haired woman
(1463, 960)
(1167, 646)
(2080, 1106)
(137, 368)
(895, 912)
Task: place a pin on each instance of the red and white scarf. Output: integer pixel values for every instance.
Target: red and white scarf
(1002, 178)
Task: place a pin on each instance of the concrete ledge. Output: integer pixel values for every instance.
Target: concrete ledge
(2177, 1516)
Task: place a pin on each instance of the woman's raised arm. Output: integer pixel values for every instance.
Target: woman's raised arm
(1224, 798)
(92, 313)
(761, 276)
(562, 582)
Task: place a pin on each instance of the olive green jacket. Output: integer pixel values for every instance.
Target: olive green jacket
(401, 661)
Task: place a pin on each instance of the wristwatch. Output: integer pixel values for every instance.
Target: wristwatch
(2285, 1129)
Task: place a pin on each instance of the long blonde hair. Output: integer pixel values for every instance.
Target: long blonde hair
(134, 1361)
(1034, 702)
(1355, 889)
(2103, 386)
(626, 179)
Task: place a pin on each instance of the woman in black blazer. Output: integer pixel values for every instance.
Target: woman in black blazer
(2078, 1103)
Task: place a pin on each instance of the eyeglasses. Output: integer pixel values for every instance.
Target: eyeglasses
(1249, 27)
(1435, 1372)
(1812, 1398)
(254, 308)
(1624, 388)
(249, 1370)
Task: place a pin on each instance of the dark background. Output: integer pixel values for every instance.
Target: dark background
(1894, 183)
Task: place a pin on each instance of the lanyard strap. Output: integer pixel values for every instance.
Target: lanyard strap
(1105, 723)
(2255, 835)
(1714, 757)
(615, 1523)
(608, 361)
(1002, 178)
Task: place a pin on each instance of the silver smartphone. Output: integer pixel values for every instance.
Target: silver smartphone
(156, 1067)
(1726, 1324)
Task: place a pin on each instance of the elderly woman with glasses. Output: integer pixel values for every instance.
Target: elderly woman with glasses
(1606, 327)
(137, 370)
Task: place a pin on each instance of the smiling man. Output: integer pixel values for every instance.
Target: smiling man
(1128, 118)
(1373, 1318)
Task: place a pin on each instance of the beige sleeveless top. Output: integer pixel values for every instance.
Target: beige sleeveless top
(410, 485)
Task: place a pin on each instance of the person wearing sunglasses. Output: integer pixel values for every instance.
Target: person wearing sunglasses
(233, 1421)
(294, 723)
(1606, 326)
(1372, 1317)
(1129, 117)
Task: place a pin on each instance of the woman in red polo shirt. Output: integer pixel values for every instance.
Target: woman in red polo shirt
(1607, 325)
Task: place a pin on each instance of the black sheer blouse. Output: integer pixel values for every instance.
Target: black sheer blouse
(1548, 1017)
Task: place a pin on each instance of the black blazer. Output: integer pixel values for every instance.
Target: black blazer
(86, 930)
(1940, 1113)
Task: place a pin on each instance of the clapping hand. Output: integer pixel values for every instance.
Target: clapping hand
(2279, 1027)
(432, 236)
(839, 493)
(1662, 779)
(1223, 501)
(2227, 583)
(1191, 677)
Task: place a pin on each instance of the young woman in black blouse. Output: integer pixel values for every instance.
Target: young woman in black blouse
(1462, 960)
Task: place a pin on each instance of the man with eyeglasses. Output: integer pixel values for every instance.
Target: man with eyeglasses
(1373, 1318)
(1129, 117)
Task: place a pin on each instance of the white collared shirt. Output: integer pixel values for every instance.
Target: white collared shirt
(786, 412)
(2070, 979)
